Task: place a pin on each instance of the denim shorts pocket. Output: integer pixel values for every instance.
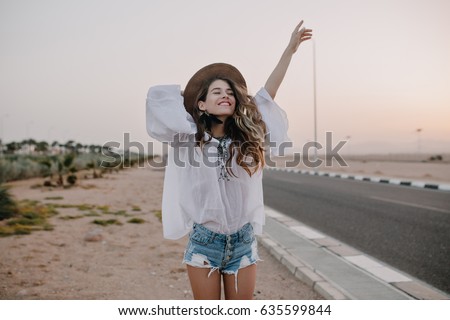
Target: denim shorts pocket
(200, 237)
(248, 237)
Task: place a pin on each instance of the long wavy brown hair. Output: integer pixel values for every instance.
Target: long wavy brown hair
(245, 128)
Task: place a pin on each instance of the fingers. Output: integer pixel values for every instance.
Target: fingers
(299, 35)
(303, 31)
(298, 26)
(305, 39)
(307, 33)
(305, 36)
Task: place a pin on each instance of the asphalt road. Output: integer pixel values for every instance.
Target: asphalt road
(406, 227)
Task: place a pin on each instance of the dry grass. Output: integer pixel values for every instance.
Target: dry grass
(136, 220)
(158, 214)
(31, 216)
(108, 222)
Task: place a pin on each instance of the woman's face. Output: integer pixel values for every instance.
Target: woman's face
(220, 100)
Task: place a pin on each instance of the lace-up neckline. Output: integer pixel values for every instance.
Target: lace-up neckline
(222, 157)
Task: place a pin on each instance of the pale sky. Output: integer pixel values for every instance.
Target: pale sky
(81, 69)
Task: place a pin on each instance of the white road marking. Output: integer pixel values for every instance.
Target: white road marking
(410, 204)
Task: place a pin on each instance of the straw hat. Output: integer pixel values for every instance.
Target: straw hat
(222, 70)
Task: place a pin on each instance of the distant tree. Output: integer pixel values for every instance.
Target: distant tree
(63, 166)
(78, 147)
(95, 148)
(28, 143)
(23, 144)
(46, 167)
(93, 165)
(42, 146)
(12, 147)
(68, 160)
(70, 146)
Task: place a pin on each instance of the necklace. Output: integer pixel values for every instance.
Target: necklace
(222, 157)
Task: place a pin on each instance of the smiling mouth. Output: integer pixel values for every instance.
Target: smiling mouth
(225, 104)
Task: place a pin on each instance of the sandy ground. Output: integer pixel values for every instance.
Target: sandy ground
(128, 261)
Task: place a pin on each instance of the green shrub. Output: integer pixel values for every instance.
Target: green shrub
(106, 222)
(136, 220)
(71, 179)
(8, 207)
(158, 214)
(30, 216)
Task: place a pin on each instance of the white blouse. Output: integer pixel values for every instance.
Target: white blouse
(193, 191)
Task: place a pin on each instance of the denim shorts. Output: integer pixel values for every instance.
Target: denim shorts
(222, 252)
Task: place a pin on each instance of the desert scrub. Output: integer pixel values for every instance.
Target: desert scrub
(90, 209)
(14, 167)
(71, 217)
(136, 220)
(54, 198)
(158, 214)
(107, 222)
(81, 207)
(104, 209)
(8, 207)
(61, 205)
(30, 216)
(92, 213)
(135, 208)
(23, 166)
(118, 213)
(85, 207)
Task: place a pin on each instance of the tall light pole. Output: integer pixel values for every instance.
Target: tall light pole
(315, 99)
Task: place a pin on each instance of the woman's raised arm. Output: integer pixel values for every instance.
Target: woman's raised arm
(277, 75)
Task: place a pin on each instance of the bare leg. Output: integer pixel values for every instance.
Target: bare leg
(246, 284)
(204, 287)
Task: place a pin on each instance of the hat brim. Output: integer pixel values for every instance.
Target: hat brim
(215, 70)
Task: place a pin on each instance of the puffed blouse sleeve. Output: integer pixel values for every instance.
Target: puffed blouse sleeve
(276, 121)
(165, 113)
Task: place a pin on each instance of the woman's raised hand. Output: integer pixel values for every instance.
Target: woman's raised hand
(298, 36)
(277, 75)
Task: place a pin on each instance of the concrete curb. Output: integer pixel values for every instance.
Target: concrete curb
(302, 272)
(388, 180)
(410, 287)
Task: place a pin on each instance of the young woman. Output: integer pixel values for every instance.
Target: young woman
(213, 179)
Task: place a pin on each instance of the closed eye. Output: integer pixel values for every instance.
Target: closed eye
(218, 91)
